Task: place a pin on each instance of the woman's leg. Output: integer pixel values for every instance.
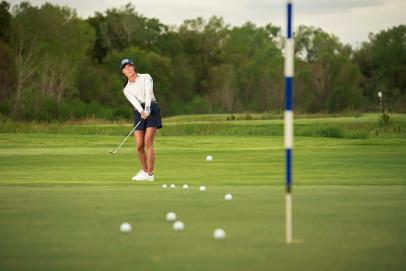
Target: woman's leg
(139, 143)
(149, 146)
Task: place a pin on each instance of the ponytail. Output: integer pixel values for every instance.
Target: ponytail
(125, 81)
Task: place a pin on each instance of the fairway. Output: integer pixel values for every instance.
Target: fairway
(63, 198)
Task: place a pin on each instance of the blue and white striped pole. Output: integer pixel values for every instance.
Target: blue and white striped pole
(289, 59)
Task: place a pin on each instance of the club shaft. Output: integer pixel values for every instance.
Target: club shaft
(125, 139)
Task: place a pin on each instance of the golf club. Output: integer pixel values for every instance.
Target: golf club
(119, 146)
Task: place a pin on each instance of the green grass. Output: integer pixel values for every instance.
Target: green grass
(82, 159)
(365, 126)
(63, 197)
(76, 228)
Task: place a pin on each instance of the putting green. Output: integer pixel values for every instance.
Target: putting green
(63, 198)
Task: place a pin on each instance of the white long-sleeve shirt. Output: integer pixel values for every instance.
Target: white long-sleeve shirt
(140, 91)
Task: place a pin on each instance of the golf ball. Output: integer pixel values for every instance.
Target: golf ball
(170, 216)
(209, 158)
(185, 186)
(172, 186)
(219, 234)
(178, 226)
(125, 227)
(202, 188)
(228, 197)
(164, 186)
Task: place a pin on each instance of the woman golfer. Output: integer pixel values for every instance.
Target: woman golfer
(139, 92)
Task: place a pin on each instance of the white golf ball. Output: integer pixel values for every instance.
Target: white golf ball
(209, 158)
(228, 197)
(185, 186)
(219, 234)
(164, 186)
(172, 186)
(125, 227)
(170, 216)
(202, 188)
(178, 226)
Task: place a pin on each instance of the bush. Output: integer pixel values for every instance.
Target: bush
(122, 112)
(76, 109)
(384, 120)
(5, 107)
(36, 105)
(96, 110)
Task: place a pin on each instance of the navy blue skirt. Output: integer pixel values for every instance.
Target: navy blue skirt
(153, 120)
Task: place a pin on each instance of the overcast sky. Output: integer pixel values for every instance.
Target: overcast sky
(350, 20)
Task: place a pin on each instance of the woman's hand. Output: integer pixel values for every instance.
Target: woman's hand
(144, 115)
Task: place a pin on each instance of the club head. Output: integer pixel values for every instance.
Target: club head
(113, 152)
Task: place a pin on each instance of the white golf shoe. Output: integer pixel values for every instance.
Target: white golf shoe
(143, 176)
(146, 177)
(138, 175)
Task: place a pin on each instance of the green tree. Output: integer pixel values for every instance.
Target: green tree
(257, 61)
(382, 61)
(119, 29)
(222, 88)
(170, 44)
(327, 79)
(7, 76)
(5, 19)
(50, 44)
(202, 43)
(311, 43)
(7, 67)
(93, 84)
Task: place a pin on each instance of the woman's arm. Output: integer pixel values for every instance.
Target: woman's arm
(133, 101)
(149, 85)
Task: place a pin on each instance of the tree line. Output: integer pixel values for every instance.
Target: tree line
(57, 66)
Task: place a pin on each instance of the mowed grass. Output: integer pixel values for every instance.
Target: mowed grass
(76, 228)
(32, 159)
(63, 197)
